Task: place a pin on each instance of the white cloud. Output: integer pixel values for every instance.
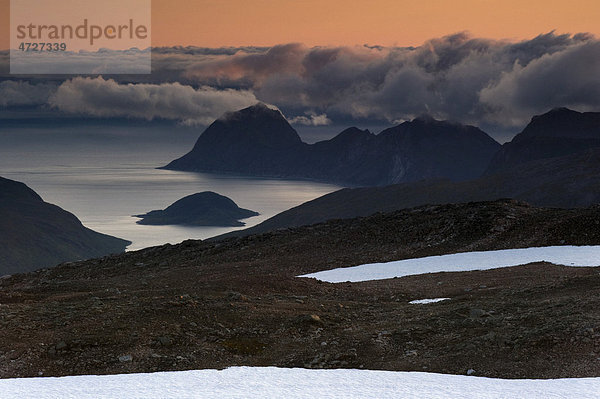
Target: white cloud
(467, 79)
(569, 78)
(311, 119)
(459, 77)
(107, 98)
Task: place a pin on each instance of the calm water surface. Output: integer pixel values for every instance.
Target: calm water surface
(105, 178)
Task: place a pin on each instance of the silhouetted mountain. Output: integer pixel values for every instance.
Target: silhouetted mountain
(258, 141)
(556, 133)
(35, 234)
(254, 141)
(200, 209)
(341, 156)
(564, 182)
(426, 148)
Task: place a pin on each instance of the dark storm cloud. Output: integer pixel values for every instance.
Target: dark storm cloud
(456, 77)
(472, 80)
(21, 93)
(570, 77)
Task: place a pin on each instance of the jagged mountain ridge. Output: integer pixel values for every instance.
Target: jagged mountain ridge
(258, 141)
(564, 173)
(557, 133)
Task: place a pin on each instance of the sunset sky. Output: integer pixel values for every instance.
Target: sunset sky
(341, 22)
(482, 62)
(216, 23)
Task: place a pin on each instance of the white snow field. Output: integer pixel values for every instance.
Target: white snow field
(272, 382)
(560, 255)
(427, 301)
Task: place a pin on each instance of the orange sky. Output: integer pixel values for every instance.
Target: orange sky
(214, 23)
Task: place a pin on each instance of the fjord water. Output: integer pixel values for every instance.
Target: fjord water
(104, 175)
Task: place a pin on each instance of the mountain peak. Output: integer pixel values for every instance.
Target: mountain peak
(556, 112)
(352, 132)
(557, 133)
(425, 118)
(258, 124)
(562, 110)
(256, 137)
(11, 190)
(258, 110)
(259, 141)
(429, 120)
(562, 122)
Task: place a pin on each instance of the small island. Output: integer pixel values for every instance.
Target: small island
(201, 209)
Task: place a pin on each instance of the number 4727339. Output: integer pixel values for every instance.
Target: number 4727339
(43, 46)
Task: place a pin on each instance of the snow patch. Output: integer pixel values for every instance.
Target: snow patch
(271, 382)
(428, 300)
(582, 256)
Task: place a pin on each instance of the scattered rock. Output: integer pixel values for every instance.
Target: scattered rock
(310, 319)
(62, 345)
(165, 341)
(236, 296)
(476, 313)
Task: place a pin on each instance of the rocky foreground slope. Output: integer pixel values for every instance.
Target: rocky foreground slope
(237, 302)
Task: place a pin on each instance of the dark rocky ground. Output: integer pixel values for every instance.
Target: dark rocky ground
(237, 302)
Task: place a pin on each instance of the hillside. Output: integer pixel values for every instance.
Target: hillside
(565, 182)
(236, 302)
(35, 234)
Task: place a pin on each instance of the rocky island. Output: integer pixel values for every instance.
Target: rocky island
(201, 209)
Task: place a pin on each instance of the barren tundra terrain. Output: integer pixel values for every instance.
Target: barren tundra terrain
(237, 301)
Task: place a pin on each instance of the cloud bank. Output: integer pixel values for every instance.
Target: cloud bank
(310, 119)
(107, 98)
(459, 77)
(19, 93)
